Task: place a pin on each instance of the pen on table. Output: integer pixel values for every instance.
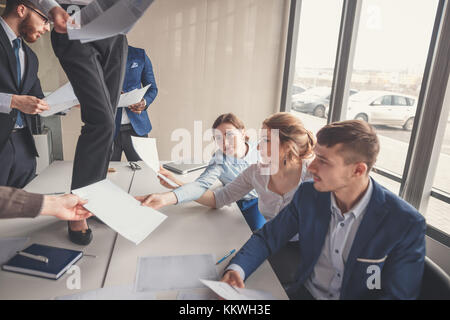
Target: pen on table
(54, 193)
(226, 256)
(32, 256)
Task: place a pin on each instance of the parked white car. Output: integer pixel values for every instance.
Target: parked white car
(383, 108)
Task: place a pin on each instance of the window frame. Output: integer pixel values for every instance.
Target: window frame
(351, 14)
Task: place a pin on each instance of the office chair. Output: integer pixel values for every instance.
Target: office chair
(435, 282)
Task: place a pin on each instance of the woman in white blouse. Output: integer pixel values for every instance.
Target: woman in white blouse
(286, 150)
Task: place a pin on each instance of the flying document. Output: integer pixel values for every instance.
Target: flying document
(103, 19)
(147, 151)
(60, 100)
(120, 211)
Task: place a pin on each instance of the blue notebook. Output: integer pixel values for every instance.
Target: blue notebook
(59, 261)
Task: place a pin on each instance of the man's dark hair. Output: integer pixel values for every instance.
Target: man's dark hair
(11, 5)
(358, 139)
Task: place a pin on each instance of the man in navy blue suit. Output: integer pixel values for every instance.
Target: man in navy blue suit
(133, 120)
(20, 91)
(357, 240)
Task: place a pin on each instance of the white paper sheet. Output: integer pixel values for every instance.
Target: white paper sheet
(9, 247)
(147, 151)
(110, 293)
(163, 273)
(120, 211)
(197, 295)
(228, 292)
(102, 19)
(132, 97)
(60, 100)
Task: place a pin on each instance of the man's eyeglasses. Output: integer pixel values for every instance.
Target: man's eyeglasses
(46, 20)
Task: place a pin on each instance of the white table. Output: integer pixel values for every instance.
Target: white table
(50, 231)
(189, 229)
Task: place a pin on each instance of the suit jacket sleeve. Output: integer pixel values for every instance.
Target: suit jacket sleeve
(36, 90)
(148, 77)
(402, 273)
(16, 203)
(270, 238)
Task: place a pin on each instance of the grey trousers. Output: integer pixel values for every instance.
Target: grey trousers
(96, 71)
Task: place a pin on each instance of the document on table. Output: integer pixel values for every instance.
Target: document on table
(9, 248)
(125, 292)
(146, 149)
(102, 19)
(60, 100)
(228, 292)
(163, 273)
(132, 97)
(120, 211)
(196, 295)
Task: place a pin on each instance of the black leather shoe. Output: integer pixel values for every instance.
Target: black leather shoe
(82, 238)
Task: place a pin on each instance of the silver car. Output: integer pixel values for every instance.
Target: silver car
(314, 101)
(383, 108)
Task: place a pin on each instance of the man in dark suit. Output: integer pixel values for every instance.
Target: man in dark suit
(20, 91)
(96, 71)
(133, 120)
(357, 240)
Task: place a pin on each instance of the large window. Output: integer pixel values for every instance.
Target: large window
(315, 59)
(380, 51)
(390, 57)
(438, 211)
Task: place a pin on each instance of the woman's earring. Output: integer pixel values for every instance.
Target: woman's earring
(285, 161)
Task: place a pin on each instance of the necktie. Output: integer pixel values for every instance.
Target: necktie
(16, 45)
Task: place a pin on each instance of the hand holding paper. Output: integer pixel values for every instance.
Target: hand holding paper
(103, 19)
(60, 100)
(228, 292)
(146, 149)
(158, 200)
(120, 211)
(132, 97)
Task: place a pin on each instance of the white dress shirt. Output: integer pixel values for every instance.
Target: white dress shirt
(326, 279)
(5, 98)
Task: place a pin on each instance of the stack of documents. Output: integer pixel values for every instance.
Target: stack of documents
(120, 211)
(103, 19)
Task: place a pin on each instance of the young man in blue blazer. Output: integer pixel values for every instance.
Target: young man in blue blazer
(133, 120)
(357, 239)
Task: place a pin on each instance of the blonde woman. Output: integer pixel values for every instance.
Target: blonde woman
(275, 178)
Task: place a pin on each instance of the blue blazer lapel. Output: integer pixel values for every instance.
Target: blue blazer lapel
(368, 227)
(321, 225)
